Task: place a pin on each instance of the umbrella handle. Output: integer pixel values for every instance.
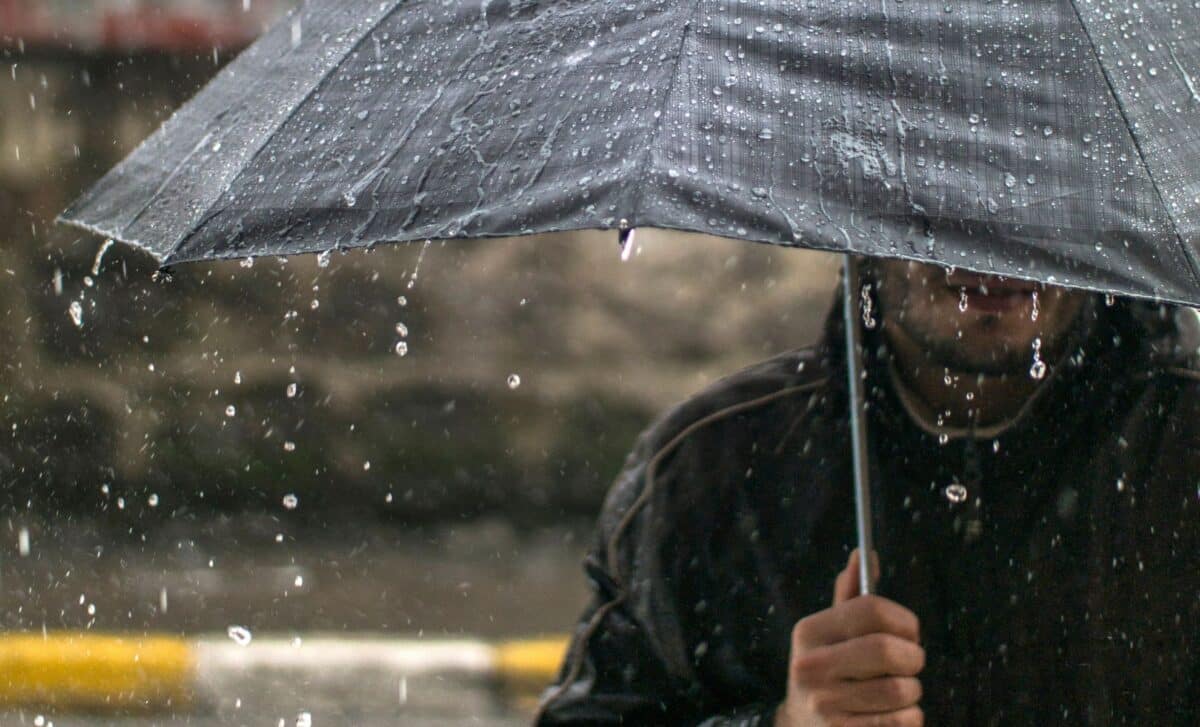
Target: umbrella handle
(851, 287)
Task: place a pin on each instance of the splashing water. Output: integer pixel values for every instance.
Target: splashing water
(323, 258)
(1037, 370)
(240, 635)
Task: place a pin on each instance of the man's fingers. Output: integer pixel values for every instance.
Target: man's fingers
(846, 586)
(908, 717)
(868, 696)
(853, 618)
(865, 657)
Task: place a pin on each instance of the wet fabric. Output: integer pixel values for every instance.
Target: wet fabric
(1061, 590)
(1048, 140)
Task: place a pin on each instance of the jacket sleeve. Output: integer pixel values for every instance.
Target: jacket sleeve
(614, 671)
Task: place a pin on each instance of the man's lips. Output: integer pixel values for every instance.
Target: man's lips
(990, 293)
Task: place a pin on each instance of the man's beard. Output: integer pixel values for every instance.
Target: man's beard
(962, 357)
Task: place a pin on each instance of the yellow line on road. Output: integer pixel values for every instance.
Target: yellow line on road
(530, 663)
(95, 672)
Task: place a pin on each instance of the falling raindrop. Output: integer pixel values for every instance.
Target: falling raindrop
(1038, 369)
(240, 635)
(1033, 313)
(290, 501)
(962, 300)
(625, 237)
(514, 381)
(237, 377)
(100, 256)
(868, 312)
(956, 492)
(23, 542)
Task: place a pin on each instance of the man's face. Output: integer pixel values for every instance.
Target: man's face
(970, 322)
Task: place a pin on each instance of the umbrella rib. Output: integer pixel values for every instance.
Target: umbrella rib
(1193, 264)
(644, 165)
(320, 82)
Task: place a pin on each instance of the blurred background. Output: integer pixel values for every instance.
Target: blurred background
(405, 444)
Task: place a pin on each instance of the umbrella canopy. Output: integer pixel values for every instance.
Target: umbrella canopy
(1050, 140)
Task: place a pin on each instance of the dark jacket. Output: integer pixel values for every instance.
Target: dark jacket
(1064, 590)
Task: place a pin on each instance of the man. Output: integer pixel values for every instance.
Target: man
(1036, 466)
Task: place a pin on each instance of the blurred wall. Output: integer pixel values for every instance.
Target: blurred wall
(228, 386)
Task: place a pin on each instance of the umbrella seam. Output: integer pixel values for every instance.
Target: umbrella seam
(1193, 265)
(644, 165)
(283, 122)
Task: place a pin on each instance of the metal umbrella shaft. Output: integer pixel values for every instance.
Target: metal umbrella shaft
(851, 287)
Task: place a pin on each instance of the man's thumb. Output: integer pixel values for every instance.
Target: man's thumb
(846, 585)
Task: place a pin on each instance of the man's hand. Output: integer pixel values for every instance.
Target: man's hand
(854, 664)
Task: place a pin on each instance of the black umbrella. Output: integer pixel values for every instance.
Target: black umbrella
(1050, 140)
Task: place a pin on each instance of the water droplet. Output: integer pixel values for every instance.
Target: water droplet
(1110, 300)
(152, 499)
(1033, 312)
(868, 312)
(1047, 131)
(1038, 369)
(290, 501)
(240, 635)
(76, 312)
(247, 262)
(299, 582)
(304, 720)
(766, 134)
(289, 446)
(23, 542)
(973, 119)
(626, 240)
(401, 301)
(237, 377)
(401, 330)
(514, 381)
(956, 493)
(401, 348)
(323, 258)
(291, 390)
(1010, 181)
(230, 410)
(962, 300)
